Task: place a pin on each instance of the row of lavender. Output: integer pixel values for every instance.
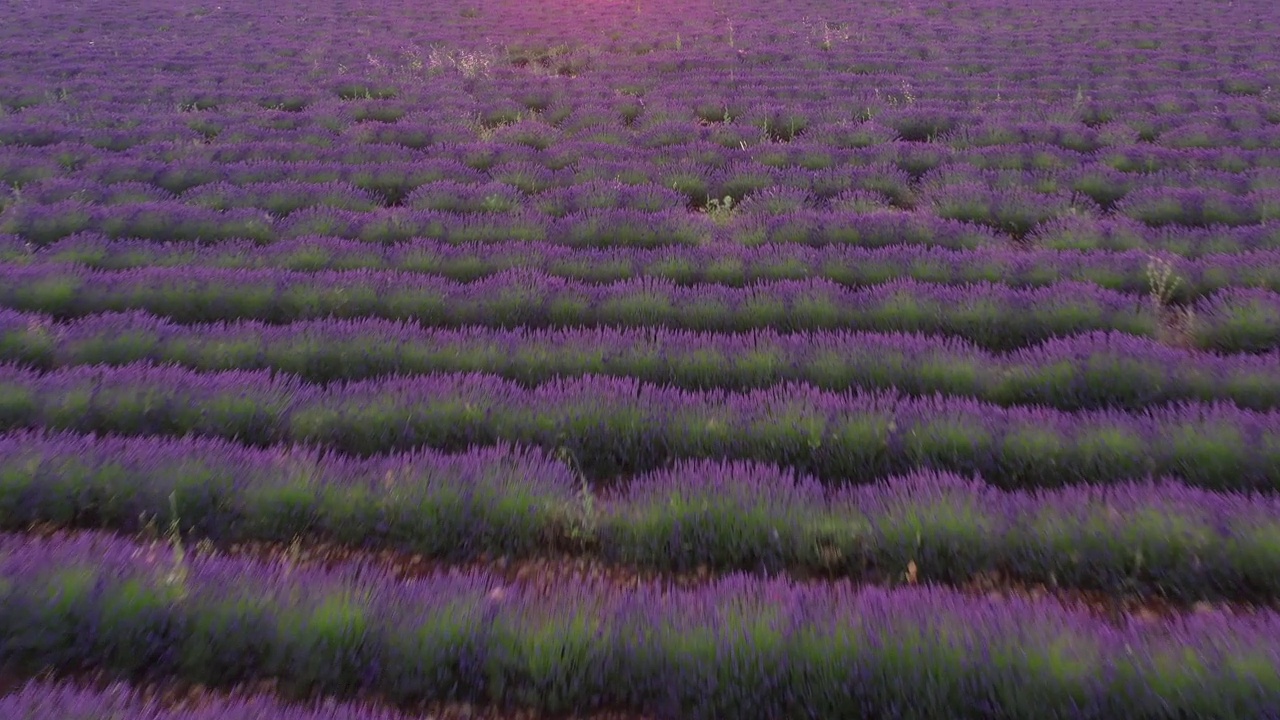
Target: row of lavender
(617, 425)
(1025, 215)
(1159, 538)
(991, 316)
(555, 140)
(1198, 265)
(1090, 371)
(1026, 178)
(740, 647)
(1195, 131)
(948, 195)
(554, 179)
(1213, 139)
(907, 172)
(771, 213)
(47, 700)
(539, 120)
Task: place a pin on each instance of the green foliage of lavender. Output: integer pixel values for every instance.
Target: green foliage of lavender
(740, 646)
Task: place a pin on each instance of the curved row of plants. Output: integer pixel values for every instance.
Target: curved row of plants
(1152, 538)
(965, 215)
(681, 160)
(1136, 270)
(176, 157)
(621, 425)
(957, 211)
(740, 647)
(177, 222)
(1096, 370)
(993, 316)
(792, 189)
(688, 164)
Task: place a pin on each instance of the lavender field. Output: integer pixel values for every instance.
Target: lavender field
(389, 359)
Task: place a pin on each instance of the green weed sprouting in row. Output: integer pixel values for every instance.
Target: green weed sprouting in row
(1163, 280)
(1178, 323)
(585, 521)
(177, 577)
(720, 210)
